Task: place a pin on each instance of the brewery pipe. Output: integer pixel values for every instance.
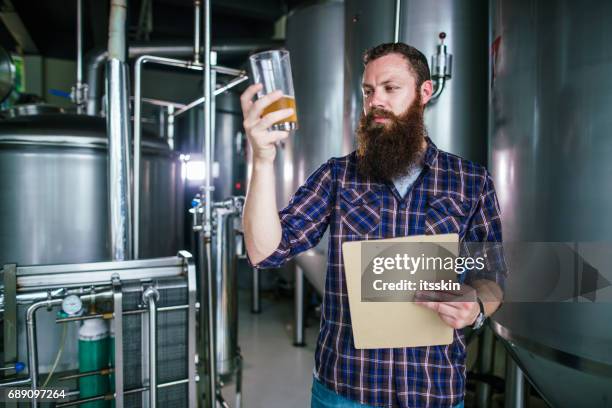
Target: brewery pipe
(79, 91)
(150, 298)
(206, 232)
(397, 25)
(96, 59)
(117, 124)
(190, 65)
(197, 6)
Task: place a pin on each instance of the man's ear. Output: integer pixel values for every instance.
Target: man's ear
(426, 91)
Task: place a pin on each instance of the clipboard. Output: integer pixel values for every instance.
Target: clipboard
(392, 324)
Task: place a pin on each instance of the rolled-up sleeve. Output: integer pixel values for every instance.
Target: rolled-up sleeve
(484, 238)
(305, 219)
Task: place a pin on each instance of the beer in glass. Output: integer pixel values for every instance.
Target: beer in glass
(272, 69)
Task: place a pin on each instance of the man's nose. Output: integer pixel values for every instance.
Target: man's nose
(377, 100)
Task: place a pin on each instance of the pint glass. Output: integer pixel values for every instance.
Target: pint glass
(272, 69)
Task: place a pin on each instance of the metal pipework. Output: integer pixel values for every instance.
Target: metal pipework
(118, 345)
(96, 59)
(441, 68)
(118, 131)
(208, 125)
(397, 26)
(197, 6)
(31, 342)
(79, 91)
(31, 336)
(104, 371)
(112, 315)
(150, 298)
(138, 122)
(205, 233)
(109, 397)
(255, 300)
(298, 330)
(218, 91)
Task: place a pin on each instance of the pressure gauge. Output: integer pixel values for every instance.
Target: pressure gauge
(72, 305)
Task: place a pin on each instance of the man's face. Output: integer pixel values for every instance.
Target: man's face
(391, 132)
(388, 84)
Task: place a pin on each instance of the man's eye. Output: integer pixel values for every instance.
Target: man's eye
(367, 92)
(390, 88)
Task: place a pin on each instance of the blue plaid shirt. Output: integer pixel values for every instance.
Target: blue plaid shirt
(451, 195)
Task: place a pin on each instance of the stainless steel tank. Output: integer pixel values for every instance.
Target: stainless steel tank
(54, 207)
(226, 218)
(550, 150)
(315, 40)
(457, 121)
(229, 155)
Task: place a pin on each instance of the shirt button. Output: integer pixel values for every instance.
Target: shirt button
(403, 206)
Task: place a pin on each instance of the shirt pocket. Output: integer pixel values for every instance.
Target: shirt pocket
(359, 211)
(446, 215)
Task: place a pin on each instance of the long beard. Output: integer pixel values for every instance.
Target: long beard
(389, 150)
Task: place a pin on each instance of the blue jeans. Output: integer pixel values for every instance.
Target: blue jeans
(323, 397)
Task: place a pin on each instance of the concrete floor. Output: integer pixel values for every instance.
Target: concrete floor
(276, 374)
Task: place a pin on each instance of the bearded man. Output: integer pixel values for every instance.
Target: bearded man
(396, 183)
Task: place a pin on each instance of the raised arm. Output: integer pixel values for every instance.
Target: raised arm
(262, 227)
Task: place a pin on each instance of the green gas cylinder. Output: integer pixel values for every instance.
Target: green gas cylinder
(93, 356)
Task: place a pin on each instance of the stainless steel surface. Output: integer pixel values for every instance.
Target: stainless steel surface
(127, 392)
(15, 383)
(191, 327)
(206, 234)
(441, 68)
(79, 90)
(225, 288)
(208, 121)
(457, 122)
(118, 339)
(7, 74)
(104, 371)
(207, 329)
(9, 314)
(137, 152)
(31, 339)
(197, 11)
(550, 150)
(319, 82)
(228, 124)
(515, 385)
(255, 300)
(150, 298)
(131, 276)
(298, 330)
(32, 349)
(170, 261)
(117, 45)
(68, 280)
(68, 206)
(53, 168)
(96, 59)
(118, 121)
(218, 91)
(397, 26)
(31, 109)
(125, 313)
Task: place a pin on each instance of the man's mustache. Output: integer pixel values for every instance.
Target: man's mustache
(380, 113)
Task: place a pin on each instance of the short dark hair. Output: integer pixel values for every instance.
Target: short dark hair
(417, 62)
